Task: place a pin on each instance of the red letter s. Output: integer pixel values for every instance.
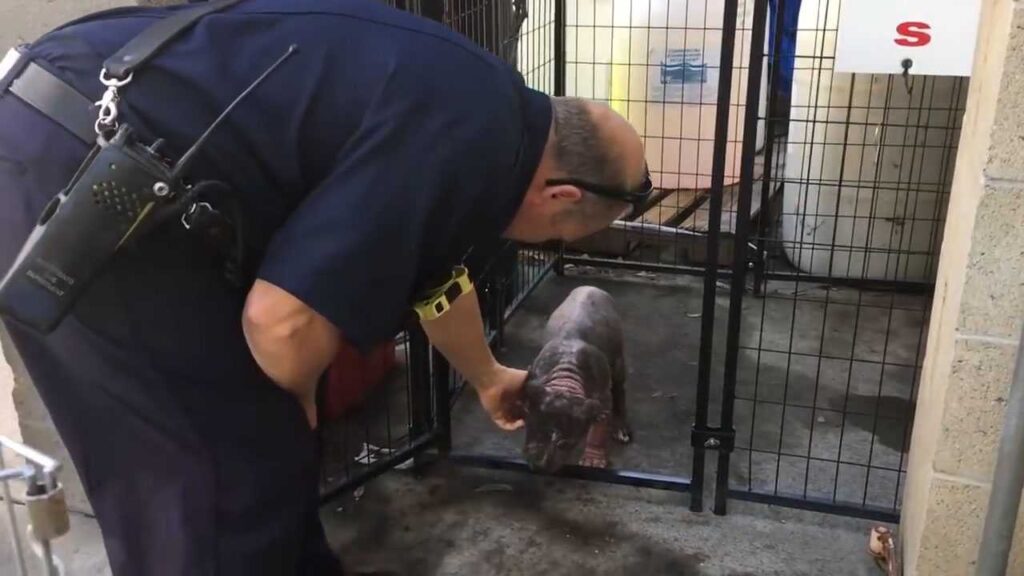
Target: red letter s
(914, 34)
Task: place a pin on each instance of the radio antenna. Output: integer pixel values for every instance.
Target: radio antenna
(189, 155)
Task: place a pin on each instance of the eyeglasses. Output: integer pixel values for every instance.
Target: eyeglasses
(636, 196)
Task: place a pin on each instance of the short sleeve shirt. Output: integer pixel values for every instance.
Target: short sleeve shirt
(369, 162)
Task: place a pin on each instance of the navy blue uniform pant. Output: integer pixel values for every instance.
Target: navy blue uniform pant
(194, 463)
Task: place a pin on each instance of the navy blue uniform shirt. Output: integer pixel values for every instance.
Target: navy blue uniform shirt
(367, 163)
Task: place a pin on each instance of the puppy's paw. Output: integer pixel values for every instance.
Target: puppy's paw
(594, 458)
(622, 433)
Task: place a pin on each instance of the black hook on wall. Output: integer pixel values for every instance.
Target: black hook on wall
(907, 64)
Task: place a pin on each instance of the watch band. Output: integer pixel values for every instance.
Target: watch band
(441, 298)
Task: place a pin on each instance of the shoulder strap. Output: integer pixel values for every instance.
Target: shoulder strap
(140, 49)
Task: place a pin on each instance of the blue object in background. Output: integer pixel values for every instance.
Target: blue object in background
(783, 22)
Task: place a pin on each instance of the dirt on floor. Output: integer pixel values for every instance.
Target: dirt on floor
(458, 521)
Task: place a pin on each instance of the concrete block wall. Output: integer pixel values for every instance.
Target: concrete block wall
(976, 317)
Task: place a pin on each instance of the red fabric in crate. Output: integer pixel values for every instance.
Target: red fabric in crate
(353, 375)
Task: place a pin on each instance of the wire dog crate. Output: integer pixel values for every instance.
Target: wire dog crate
(775, 290)
(830, 356)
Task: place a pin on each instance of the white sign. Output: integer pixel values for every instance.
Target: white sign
(878, 36)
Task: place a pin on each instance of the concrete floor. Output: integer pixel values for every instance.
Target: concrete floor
(462, 522)
(474, 522)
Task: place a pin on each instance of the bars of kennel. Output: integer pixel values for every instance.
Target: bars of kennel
(722, 134)
(504, 306)
(822, 370)
(672, 68)
(750, 221)
(659, 63)
(742, 218)
(688, 108)
(395, 422)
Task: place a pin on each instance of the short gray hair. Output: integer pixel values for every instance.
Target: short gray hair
(581, 152)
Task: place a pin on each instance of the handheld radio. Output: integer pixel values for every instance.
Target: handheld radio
(121, 191)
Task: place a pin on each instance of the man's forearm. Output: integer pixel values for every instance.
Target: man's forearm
(459, 336)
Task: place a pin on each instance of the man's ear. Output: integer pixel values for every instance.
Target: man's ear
(563, 192)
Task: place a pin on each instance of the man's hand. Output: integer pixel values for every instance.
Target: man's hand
(502, 397)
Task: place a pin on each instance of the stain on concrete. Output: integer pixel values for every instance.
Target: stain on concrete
(441, 524)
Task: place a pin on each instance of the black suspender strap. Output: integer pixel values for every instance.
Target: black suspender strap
(140, 49)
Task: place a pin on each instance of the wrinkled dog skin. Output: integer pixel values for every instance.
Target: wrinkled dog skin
(574, 387)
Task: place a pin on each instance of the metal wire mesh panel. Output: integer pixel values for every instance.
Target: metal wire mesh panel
(659, 64)
(536, 58)
(825, 192)
(493, 24)
(867, 165)
(383, 428)
(830, 353)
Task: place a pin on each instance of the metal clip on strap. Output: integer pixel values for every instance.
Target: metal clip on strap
(141, 48)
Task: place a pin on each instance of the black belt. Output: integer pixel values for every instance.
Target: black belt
(48, 94)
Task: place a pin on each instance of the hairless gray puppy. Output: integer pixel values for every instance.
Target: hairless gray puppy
(574, 387)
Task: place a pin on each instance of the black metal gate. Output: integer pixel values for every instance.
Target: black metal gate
(822, 365)
(798, 211)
